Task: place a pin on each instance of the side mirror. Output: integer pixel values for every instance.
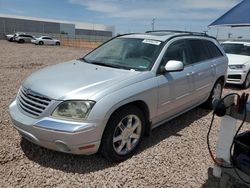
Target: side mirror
(173, 66)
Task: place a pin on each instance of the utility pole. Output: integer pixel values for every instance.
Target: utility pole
(153, 24)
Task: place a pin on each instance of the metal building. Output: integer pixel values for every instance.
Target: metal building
(36, 26)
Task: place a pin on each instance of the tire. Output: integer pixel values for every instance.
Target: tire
(11, 39)
(215, 94)
(246, 83)
(40, 43)
(120, 138)
(57, 43)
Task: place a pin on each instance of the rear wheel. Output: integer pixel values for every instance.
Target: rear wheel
(123, 134)
(40, 43)
(215, 94)
(246, 84)
(58, 43)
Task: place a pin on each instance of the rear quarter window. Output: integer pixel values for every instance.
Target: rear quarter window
(213, 49)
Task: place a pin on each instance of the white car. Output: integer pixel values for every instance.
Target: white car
(45, 40)
(11, 37)
(239, 62)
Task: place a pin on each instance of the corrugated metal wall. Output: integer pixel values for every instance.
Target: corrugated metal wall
(12, 25)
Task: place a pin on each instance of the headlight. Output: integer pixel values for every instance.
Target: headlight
(236, 66)
(73, 110)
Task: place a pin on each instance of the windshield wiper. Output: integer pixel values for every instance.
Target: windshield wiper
(104, 64)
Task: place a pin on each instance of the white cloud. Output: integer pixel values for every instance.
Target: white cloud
(160, 9)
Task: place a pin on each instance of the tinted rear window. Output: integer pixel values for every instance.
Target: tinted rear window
(213, 49)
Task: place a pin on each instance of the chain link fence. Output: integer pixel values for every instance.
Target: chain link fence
(80, 41)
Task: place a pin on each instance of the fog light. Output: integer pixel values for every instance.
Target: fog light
(62, 146)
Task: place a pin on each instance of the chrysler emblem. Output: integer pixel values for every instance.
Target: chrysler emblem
(28, 91)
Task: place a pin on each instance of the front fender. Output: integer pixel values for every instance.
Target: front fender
(145, 91)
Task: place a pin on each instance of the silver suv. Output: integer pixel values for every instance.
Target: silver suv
(23, 38)
(109, 99)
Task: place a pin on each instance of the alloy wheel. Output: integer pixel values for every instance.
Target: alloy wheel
(127, 134)
(217, 92)
(247, 82)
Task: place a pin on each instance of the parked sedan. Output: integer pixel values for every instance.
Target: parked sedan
(45, 40)
(239, 63)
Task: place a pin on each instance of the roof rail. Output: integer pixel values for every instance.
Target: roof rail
(178, 31)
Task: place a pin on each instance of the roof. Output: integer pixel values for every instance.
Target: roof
(162, 35)
(238, 16)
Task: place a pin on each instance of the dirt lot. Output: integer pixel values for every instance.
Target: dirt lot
(175, 155)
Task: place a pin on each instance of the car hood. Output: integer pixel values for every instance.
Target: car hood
(77, 80)
(234, 59)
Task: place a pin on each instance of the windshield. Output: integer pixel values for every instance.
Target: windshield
(239, 49)
(126, 53)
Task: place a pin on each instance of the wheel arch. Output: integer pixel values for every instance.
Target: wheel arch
(221, 78)
(141, 105)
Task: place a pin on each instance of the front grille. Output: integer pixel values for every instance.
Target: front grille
(234, 76)
(31, 102)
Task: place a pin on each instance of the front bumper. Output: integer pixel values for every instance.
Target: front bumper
(59, 135)
(236, 76)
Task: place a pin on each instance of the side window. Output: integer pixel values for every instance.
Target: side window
(199, 50)
(213, 49)
(177, 51)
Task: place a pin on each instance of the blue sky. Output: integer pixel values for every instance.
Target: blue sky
(126, 15)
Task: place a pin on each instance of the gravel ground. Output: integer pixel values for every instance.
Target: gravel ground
(175, 155)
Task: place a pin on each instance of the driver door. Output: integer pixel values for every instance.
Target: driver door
(175, 88)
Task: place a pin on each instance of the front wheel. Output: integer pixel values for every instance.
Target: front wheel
(246, 84)
(123, 134)
(215, 94)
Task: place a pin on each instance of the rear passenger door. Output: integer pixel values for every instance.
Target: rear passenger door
(203, 69)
